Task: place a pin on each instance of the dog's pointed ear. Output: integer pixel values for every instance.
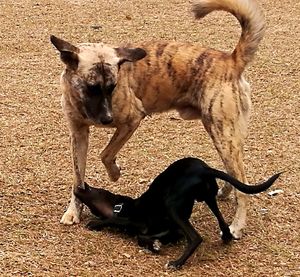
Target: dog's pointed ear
(130, 54)
(68, 52)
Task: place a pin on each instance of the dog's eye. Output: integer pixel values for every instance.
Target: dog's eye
(110, 88)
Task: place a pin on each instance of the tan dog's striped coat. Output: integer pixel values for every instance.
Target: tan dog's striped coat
(118, 87)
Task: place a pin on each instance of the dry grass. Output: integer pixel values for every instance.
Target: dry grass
(35, 171)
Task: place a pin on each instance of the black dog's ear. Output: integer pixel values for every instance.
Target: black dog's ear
(68, 52)
(86, 186)
(80, 191)
(130, 54)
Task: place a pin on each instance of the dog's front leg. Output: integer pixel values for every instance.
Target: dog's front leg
(117, 222)
(79, 147)
(120, 137)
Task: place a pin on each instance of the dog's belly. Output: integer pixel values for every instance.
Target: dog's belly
(165, 100)
(162, 95)
(189, 113)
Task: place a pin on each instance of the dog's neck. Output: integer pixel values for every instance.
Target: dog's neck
(117, 208)
(124, 208)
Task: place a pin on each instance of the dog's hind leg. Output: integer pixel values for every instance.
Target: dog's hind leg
(212, 204)
(192, 237)
(225, 118)
(79, 146)
(229, 146)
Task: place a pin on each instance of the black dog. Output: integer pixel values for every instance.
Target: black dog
(163, 211)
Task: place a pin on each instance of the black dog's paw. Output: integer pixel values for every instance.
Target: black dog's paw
(156, 246)
(226, 236)
(153, 246)
(94, 225)
(173, 265)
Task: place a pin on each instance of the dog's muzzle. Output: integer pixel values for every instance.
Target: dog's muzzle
(105, 120)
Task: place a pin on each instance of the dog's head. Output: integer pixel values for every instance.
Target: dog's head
(91, 74)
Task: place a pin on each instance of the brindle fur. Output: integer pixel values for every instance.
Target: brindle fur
(199, 83)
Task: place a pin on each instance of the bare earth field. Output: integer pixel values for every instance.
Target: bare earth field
(35, 168)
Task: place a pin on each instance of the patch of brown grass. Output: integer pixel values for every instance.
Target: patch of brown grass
(35, 171)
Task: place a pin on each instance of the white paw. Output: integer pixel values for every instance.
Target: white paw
(172, 265)
(70, 217)
(224, 192)
(235, 231)
(156, 245)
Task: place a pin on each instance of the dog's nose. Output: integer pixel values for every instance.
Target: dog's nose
(106, 120)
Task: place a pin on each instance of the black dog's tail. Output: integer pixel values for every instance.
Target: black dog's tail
(248, 189)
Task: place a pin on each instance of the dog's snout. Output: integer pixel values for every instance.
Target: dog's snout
(106, 119)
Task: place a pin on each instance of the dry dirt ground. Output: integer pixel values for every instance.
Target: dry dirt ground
(35, 170)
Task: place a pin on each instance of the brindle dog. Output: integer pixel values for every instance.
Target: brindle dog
(118, 86)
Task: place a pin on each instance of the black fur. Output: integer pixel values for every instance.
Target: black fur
(163, 211)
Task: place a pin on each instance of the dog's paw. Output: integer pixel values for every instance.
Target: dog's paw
(173, 265)
(224, 192)
(70, 217)
(94, 225)
(235, 231)
(150, 245)
(156, 246)
(114, 172)
(226, 236)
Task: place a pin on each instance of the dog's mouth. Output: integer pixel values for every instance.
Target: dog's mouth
(104, 120)
(107, 120)
(97, 102)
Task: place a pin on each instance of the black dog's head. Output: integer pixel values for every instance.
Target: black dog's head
(96, 199)
(90, 77)
(103, 203)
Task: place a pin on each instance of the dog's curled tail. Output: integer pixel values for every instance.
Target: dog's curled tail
(248, 189)
(251, 19)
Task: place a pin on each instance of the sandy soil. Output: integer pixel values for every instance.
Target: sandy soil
(35, 170)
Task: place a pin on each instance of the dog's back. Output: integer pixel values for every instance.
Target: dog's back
(178, 186)
(180, 73)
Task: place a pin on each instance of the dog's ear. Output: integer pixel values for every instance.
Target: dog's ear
(130, 54)
(68, 52)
